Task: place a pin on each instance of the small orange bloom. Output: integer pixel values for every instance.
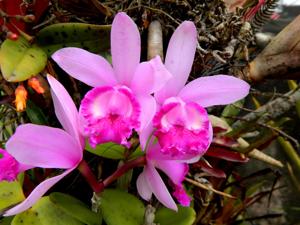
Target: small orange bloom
(36, 85)
(21, 97)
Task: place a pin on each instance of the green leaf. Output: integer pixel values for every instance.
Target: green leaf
(94, 38)
(11, 193)
(108, 150)
(19, 60)
(75, 208)
(124, 181)
(184, 216)
(44, 212)
(120, 208)
(232, 110)
(6, 220)
(35, 113)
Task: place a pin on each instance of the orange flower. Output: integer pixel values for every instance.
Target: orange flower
(36, 85)
(21, 97)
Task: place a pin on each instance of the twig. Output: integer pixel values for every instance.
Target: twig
(208, 188)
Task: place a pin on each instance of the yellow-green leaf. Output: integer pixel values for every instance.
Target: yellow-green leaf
(11, 193)
(19, 60)
(44, 212)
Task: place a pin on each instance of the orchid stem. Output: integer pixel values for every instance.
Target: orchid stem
(122, 170)
(98, 187)
(86, 172)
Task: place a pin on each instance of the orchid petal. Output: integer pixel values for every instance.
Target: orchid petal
(215, 90)
(158, 187)
(145, 135)
(36, 194)
(143, 187)
(42, 146)
(65, 109)
(125, 47)
(150, 76)
(87, 67)
(176, 171)
(179, 58)
(148, 109)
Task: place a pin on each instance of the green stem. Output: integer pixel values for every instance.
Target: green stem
(98, 187)
(122, 170)
(86, 172)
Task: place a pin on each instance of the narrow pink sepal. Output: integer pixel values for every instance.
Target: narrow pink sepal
(36, 194)
(176, 171)
(125, 47)
(65, 109)
(42, 146)
(158, 187)
(143, 187)
(87, 67)
(179, 59)
(215, 90)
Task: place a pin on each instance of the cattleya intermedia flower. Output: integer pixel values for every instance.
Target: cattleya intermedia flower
(121, 98)
(181, 124)
(41, 146)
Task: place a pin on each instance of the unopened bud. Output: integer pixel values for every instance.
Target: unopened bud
(21, 97)
(35, 84)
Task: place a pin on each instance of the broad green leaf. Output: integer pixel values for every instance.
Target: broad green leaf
(120, 208)
(19, 60)
(11, 193)
(6, 220)
(94, 38)
(35, 113)
(138, 152)
(44, 212)
(184, 216)
(108, 150)
(75, 208)
(232, 110)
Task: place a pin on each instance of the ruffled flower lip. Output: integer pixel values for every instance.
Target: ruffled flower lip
(182, 129)
(110, 114)
(9, 167)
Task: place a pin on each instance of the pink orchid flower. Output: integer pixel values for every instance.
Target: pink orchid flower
(181, 124)
(149, 181)
(10, 167)
(121, 98)
(47, 147)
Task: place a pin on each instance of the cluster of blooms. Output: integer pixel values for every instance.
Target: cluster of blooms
(150, 98)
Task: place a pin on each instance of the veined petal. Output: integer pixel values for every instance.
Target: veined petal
(179, 59)
(125, 48)
(36, 194)
(158, 187)
(65, 109)
(176, 171)
(215, 90)
(87, 67)
(150, 77)
(42, 146)
(143, 187)
(148, 109)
